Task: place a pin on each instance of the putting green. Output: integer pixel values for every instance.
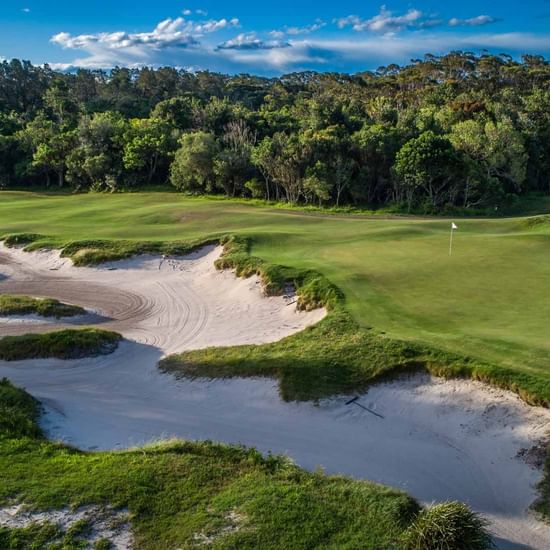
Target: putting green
(489, 300)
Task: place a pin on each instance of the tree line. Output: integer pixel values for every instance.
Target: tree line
(459, 130)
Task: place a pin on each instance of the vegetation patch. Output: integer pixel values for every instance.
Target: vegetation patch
(21, 239)
(24, 305)
(62, 344)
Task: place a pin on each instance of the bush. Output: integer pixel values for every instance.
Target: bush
(448, 526)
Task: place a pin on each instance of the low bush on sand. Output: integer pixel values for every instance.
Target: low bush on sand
(62, 344)
(24, 305)
(447, 526)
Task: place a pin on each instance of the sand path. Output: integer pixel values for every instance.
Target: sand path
(437, 439)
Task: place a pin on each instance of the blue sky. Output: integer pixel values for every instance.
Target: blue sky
(265, 37)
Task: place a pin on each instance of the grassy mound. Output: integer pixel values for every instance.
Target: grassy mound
(24, 305)
(181, 494)
(537, 222)
(62, 344)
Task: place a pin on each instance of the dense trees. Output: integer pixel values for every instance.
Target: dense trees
(453, 131)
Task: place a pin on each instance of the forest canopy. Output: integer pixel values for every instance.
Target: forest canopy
(455, 131)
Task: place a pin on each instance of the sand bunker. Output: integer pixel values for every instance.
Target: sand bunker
(171, 304)
(436, 439)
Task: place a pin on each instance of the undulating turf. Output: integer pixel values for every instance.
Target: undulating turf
(61, 344)
(24, 305)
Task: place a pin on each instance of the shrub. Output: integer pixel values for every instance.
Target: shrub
(448, 526)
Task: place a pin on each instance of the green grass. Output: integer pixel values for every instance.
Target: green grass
(24, 305)
(61, 344)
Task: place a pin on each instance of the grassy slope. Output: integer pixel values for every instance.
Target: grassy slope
(62, 344)
(178, 490)
(23, 305)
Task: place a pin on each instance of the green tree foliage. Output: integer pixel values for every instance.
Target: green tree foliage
(193, 166)
(457, 130)
(428, 168)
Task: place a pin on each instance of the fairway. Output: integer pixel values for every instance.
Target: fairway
(489, 300)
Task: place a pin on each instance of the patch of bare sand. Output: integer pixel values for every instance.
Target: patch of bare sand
(103, 523)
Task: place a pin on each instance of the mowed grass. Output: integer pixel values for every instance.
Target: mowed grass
(489, 300)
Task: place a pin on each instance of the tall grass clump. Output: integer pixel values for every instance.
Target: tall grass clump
(447, 526)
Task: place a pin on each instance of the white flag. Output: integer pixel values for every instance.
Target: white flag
(454, 226)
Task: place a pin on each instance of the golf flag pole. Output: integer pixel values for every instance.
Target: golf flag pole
(453, 227)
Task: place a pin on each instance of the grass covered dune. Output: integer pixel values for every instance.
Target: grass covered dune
(181, 494)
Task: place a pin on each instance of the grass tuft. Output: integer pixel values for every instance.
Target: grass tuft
(21, 239)
(448, 526)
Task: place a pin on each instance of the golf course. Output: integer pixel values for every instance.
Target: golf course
(379, 297)
(489, 300)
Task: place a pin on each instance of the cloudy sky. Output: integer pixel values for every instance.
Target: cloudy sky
(265, 37)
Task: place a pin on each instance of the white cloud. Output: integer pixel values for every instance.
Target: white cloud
(478, 21)
(250, 41)
(203, 13)
(26, 10)
(186, 12)
(182, 42)
(294, 31)
(384, 22)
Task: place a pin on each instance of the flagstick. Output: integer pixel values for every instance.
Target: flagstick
(451, 242)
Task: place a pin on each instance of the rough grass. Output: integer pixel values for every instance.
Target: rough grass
(61, 344)
(178, 493)
(24, 305)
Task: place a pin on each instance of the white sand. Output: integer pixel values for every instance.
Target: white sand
(172, 304)
(438, 439)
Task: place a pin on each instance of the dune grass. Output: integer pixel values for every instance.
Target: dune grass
(24, 305)
(177, 493)
(61, 344)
